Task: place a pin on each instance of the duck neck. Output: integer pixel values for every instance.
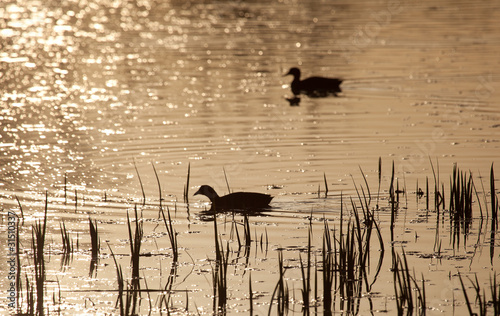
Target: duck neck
(295, 85)
(213, 196)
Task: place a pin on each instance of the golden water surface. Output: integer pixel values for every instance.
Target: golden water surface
(96, 93)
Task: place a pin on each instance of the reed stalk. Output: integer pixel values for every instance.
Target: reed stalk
(20, 209)
(379, 179)
(326, 185)
(160, 196)
(227, 182)
(140, 183)
(405, 285)
(38, 234)
(481, 300)
(135, 241)
(250, 293)
(95, 242)
(128, 306)
(172, 235)
(281, 291)
(186, 188)
(18, 268)
(65, 188)
(219, 278)
(67, 243)
(494, 214)
(306, 275)
(366, 184)
(219, 274)
(393, 203)
(427, 193)
(328, 269)
(494, 199)
(460, 205)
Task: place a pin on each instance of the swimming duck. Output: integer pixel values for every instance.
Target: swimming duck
(235, 201)
(314, 86)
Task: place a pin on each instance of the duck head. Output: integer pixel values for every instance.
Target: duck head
(207, 191)
(295, 72)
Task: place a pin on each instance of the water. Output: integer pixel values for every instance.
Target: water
(92, 90)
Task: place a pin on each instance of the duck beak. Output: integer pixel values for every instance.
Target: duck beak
(197, 192)
(288, 73)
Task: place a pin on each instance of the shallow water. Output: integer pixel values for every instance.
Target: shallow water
(92, 90)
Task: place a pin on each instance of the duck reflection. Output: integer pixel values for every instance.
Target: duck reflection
(295, 101)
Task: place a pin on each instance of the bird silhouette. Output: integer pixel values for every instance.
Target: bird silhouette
(236, 200)
(314, 86)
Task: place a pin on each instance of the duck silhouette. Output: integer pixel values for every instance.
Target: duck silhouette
(236, 200)
(314, 86)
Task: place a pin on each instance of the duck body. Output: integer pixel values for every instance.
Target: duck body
(236, 200)
(314, 86)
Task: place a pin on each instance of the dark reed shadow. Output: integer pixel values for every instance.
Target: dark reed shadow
(460, 205)
(481, 301)
(38, 234)
(281, 292)
(219, 274)
(172, 235)
(127, 306)
(135, 240)
(166, 297)
(494, 214)
(306, 273)
(409, 295)
(67, 245)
